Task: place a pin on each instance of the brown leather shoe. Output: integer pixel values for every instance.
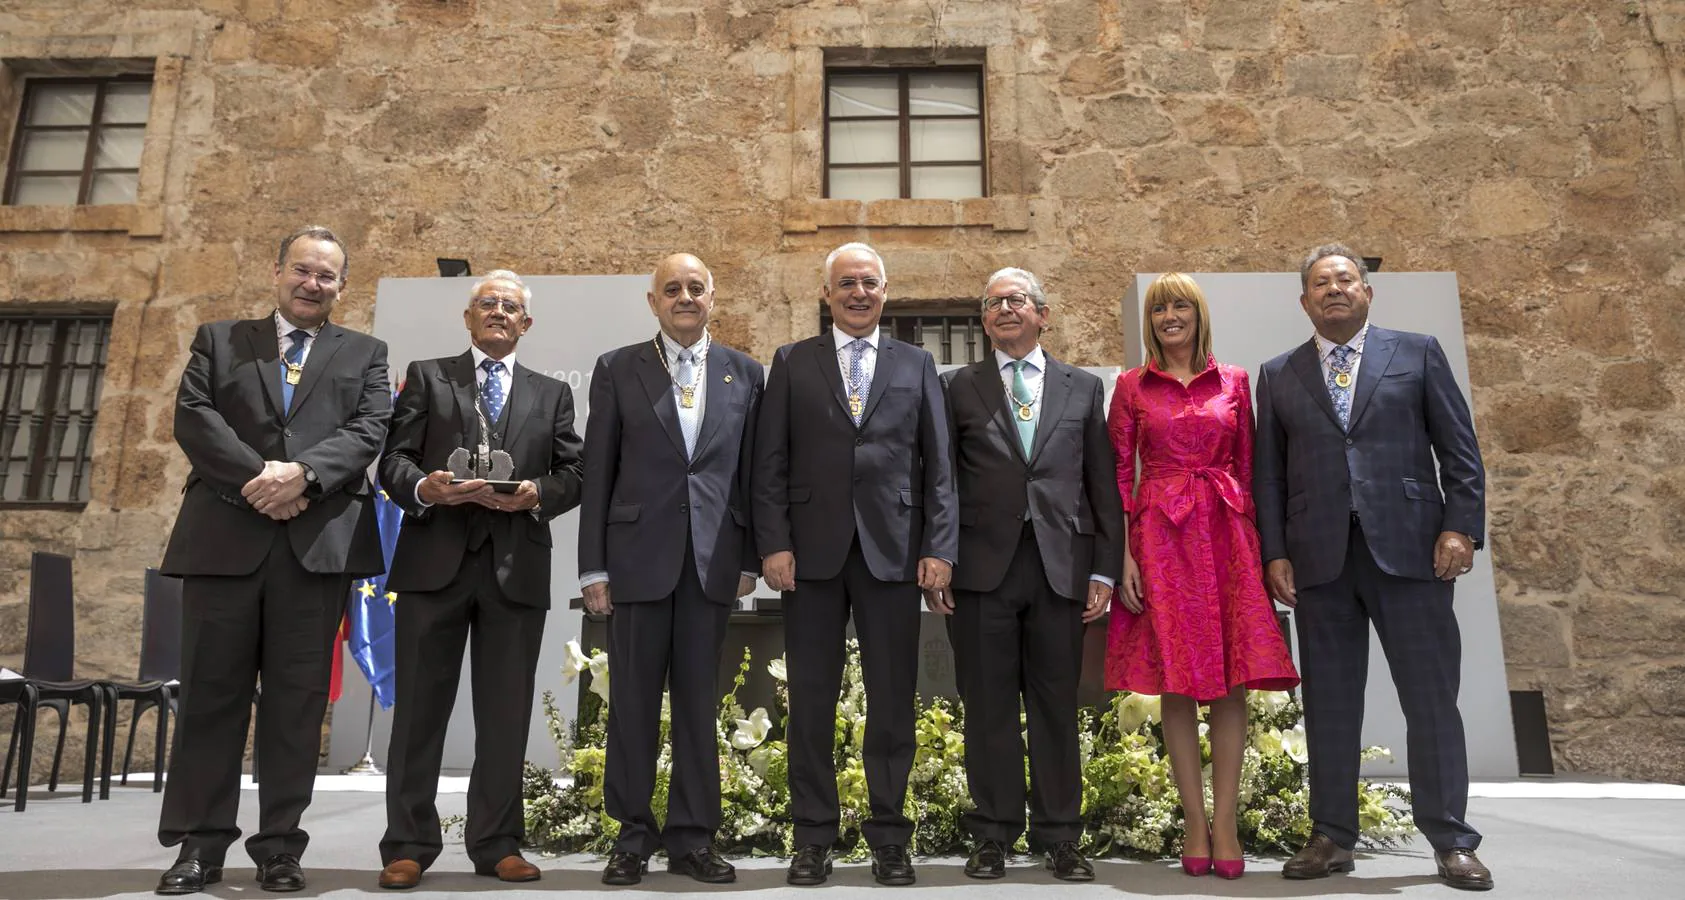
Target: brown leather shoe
(1463, 870)
(400, 874)
(1320, 858)
(511, 868)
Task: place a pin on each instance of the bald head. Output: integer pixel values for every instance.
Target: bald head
(681, 294)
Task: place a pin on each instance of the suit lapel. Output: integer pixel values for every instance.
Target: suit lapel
(326, 344)
(266, 350)
(723, 385)
(882, 372)
(1308, 367)
(1055, 391)
(658, 387)
(1378, 348)
(459, 372)
(986, 379)
(825, 354)
(522, 387)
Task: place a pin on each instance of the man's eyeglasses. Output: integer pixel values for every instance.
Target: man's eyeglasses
(492, 304)
(1014, 301)
(869, 285)
(323, 279)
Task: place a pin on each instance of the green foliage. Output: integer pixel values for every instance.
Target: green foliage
(1129, 801)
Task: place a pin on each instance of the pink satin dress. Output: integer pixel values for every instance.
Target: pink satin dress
(1208, 624)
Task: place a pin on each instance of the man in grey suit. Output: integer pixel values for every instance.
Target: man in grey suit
(1041, 545)
(854, 513)
(280, 418)
(1357, 527)
(665, 550)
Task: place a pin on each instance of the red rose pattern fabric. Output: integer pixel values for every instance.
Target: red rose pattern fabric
(1208, 624)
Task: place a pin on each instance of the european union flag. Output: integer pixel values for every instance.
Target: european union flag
(372, 615)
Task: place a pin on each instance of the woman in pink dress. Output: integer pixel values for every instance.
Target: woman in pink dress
(1191, 621)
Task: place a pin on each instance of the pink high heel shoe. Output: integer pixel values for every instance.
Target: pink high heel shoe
(1198, 865)
(1228, 868)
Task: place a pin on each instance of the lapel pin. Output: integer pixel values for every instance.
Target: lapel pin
(728, 379)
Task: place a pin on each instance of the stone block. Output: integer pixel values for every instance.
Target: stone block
(675, 27)
(1253, 74)
(1604, 200)
(1663, 690)
(1629, 748)
(1503, 208)
(1303, 120)
(1400, 204)
(1216, 122)
(1300, 215)
(1324, 77)
(1071, 24)
(1170, 167)
(1096, 73)
(292, 46)
(1088, 175)
(427, 125)
(1127, 121)
(1535, 635)
(1639, 384)
(1241, 24)
(1535, 421)
(1416, 72)
(1179, 71)
(1153, 20)
(1615, 627)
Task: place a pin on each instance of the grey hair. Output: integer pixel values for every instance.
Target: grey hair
(1323, 252)
(315, 233)
(1038, 296)
(655, 288)
(507, 277)
(850, 247)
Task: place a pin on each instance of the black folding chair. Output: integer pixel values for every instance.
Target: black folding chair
(156, 685)
(49, 659)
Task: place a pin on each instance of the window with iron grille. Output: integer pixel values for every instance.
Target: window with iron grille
(78, 141)
(51, 367)
(904, 133)
(953, 333)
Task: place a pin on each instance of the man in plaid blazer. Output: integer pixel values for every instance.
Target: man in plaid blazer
(1357, 527)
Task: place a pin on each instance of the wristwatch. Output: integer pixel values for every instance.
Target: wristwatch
(309, 474)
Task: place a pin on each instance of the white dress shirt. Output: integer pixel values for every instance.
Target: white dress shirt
(868, 363)
(283, 329)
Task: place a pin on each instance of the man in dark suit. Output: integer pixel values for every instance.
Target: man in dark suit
(1357, 528)
(1040, 547)
(280, 418)
(472, 567)
(665, 550)
(853, 512)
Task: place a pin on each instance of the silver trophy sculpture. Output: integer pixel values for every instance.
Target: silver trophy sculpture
(494, 466)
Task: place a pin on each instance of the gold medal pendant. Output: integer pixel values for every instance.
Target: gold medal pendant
(687, 397)
(294, 373)
(855, 407)
(1025, 414)
(1343, 379)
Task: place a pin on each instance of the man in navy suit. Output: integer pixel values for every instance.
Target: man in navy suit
(665, 550)
(854, 512)
(1357, 528)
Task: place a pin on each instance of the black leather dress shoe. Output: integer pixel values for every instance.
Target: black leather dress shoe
(281, 873)
(1463, 870)
(1066, 863)
(987, 861)
(188, 876)
(811, 865)
(624, 868)
(890, 865)
(704, 865)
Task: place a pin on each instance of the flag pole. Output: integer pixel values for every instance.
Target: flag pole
(367, 765)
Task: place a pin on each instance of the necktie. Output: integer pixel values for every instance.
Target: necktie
(294, 358)
(859, 379)
(1023, 401)
(1339, 370)
(689, 417)
(492, 391)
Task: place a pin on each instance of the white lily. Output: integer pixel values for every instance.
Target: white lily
(598, 666)
(1135, 710)
(777, 670)
(751, 732)
(1294, 745)
(1272, 702)
(574, 662)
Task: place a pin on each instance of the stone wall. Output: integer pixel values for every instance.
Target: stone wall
(1533, 147)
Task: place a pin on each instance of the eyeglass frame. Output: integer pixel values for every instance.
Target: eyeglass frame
(1014, 301)
(490, 304)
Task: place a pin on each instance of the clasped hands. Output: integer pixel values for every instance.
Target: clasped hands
(278, 490)
(436, 489)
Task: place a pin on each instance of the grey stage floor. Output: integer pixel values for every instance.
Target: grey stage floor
(1569, 845)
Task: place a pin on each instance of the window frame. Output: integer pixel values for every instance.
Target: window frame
(58, 368)
(94, 128)
(903, 321)
(904, 162)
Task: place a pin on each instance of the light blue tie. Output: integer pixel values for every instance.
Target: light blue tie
(1340, 363)
(859, 377)
(1023, 400)
(689, 417)
(294, 357)
(492, 391)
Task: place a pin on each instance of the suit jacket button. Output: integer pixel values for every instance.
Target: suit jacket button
(684, 507)
(1348, 442)
(859, 442)
(288, 432)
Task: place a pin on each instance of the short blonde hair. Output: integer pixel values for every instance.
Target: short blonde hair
(1170, 287)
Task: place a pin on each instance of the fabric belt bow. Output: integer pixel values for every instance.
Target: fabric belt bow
(1178, 502)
